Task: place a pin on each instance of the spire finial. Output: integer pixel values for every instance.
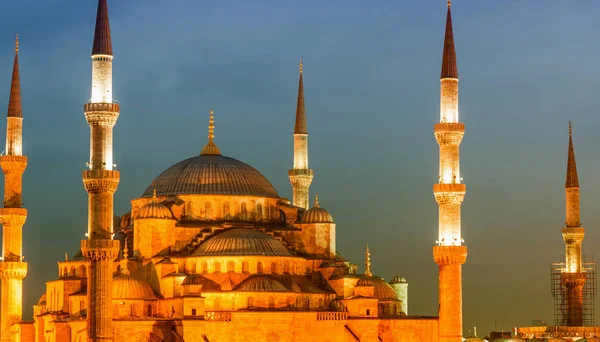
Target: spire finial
(368, 262)
(317, 201)
(16, 42)
(124, 268)
(154, 196)
(301, 58)
(449, 3)
(570, 129)
(211, 148)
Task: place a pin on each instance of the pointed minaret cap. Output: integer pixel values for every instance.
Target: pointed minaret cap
(102, 41)
(211, 148)
(15, 108)
(449, 68)
(368, 262)
(572, 178)
(300, 127)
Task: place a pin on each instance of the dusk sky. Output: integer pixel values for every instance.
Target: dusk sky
(371, 80)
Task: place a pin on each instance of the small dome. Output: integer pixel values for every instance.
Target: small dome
(316, 214)
(398, 280)
(155, 210)
(261, 284)
(207, 284)
(127, 287)
(381, 289)
(241, 241)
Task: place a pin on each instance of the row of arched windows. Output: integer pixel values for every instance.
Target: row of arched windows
(300, 302)
(258, 214)
(230, 266)
(79, 271)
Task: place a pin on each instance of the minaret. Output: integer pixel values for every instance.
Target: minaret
(300, 176)
(13, 215)
(100, 182)
(573, 278)
(449, 193)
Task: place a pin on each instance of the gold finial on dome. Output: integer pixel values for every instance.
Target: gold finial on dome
(317, 201)
(154, 199)
(124, 268)
(211, 148)
(368, 262)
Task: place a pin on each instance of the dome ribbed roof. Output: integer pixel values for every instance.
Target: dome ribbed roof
(381, 289)
(155, 210)
(211, 175)
(261, 284)
(241, 241)
(316, 214)
(207, 284)
(127, 287)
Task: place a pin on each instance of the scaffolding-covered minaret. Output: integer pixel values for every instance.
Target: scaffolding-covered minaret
(12, 216)
(300, 176)
(449, 193)
(100, 182)
(573, 277)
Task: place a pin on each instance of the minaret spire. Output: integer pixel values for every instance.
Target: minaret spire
(450, 253)
(12, 215)
(301, 176)
(15, 108)
(102, 41)
(572, 178)
(210, 148)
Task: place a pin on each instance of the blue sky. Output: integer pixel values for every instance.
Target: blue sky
(372, 97)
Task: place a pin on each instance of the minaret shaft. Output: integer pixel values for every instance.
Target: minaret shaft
(12, 215)
(100, 182)
(573, 278)
(301, 176)
(449, 193)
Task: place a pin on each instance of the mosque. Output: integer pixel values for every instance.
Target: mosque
(211, 252)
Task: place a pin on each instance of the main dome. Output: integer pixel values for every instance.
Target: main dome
(211, 175)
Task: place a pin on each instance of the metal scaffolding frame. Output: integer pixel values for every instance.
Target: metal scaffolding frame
(560, 294)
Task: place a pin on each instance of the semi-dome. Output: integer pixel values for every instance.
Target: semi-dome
(211, 174)
(381, 289)
(316, 214)
(127, 287)
(154, 210)
(261, 284)
(241, 241)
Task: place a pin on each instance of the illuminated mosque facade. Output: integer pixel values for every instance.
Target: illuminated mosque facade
(212, 252)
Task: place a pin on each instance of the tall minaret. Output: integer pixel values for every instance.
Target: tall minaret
(100, 182)
(573, 278)
(449, 193)
(13, 215)
(301, 176)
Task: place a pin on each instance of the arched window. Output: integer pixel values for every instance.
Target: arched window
(226, 211)
(273, 268)
(271, 303)
(245, 267)
(286, 267)
(298, 302)
(72, 272)
(295, 268)
(259, 212)
(192, 267)
(230, 266)
(306, 303)
(250, 302)
(190, 210)
(259, 268)
(150, 311)
(320, 302)
(217, 267)
(208, 211)
(244, 211)
(204, 267)
(395, 310)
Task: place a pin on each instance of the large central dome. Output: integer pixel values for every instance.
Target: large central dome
(211, 174)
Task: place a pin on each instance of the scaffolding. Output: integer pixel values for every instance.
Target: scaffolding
(560, 293)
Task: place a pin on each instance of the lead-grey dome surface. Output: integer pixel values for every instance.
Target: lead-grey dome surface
(211, 175)
(241, 241)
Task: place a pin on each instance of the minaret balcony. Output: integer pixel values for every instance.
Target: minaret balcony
(100, 249)
(104, 114)
(96, 181)
(449, 133)
(573, 234)
(12, 164)
(13, 216)
(450, 255)
(13, 270)
(301, 172)
(449, 194)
